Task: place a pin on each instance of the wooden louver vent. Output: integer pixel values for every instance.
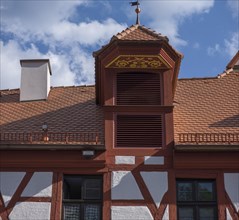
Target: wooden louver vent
(139, 131)
(138, 89)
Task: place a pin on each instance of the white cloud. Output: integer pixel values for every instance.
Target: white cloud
(211, 51)
(11, 53)
(167, 16)
(234, 7)
(47, 22)
(97, 33)
(229, 47)
(232, 45)
(196, 45)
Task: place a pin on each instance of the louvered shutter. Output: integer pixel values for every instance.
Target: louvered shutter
(138, 89)
(139, 131)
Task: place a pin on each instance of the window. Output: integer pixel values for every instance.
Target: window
(82, 197)
(139, 131)
(196, 200)
(138, 89)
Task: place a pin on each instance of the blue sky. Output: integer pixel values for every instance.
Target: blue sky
(67, 32)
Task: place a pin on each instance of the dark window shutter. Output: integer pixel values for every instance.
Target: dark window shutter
(138, 89)
(139, 131)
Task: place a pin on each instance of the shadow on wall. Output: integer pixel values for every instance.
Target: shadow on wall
(227, 122)
(39, 184)
(147, 187)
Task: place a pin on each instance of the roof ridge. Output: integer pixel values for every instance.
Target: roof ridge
(132, 28)
(211, 77)
(73, 86)
(7, 90)
(152, 32)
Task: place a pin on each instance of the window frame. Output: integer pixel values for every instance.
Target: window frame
(195, 203)
(82, 202)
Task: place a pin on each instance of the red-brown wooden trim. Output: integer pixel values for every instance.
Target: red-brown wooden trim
(34, 199)
(140, 167)
(138, 152)
(221, 197)
(3, 212)
(199, 174)
(19, 191)
(107, 196)
(162, 207)
(139, 109)
(58, 205)
(145, 192)
(231, 208)
(54, 195)
(172, 195)
(49, 159)
(128, 202)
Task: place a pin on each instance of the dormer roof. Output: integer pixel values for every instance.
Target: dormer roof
(139, 32)
(234, 61)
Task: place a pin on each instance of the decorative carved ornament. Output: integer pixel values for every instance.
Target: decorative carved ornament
(139, 61)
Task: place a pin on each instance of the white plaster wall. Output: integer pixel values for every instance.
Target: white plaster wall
(31, 211)
(124, 186)
(157, 184)
(228, 215)
(153, 160)
(231, 181)
(34, 80)
(48, 86)
(130, 213)
(124, 160)
(166, 214)
(40, 185)
(9, 181)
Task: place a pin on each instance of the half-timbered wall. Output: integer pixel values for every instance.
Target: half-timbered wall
(26, 195)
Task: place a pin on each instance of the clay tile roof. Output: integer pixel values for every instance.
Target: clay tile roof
(67, 109)
(207, 105)
(138, 32)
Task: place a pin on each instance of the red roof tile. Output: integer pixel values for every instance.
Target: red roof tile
(207, 105)
(137, 32)
(67, 109)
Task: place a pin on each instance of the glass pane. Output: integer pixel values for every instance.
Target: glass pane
(92, 212)
(207, 213)
(92, 189)
(205, 191)
(185, 192)
(186, 213)
(71, 211)
(72, 187)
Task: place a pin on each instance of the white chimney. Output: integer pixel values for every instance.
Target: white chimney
(35, 79)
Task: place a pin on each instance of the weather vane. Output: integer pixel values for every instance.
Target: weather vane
(137, 10)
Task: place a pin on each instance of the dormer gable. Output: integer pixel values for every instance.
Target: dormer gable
(136, 49)
(233, 65)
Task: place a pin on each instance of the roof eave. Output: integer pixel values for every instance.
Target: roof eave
(206, 148)
(35, 147)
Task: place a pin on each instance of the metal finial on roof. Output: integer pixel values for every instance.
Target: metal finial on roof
(137, 10)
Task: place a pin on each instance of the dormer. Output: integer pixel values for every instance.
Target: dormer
(137, 67)
(136, 75)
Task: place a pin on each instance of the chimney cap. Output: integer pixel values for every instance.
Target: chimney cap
(37, 60)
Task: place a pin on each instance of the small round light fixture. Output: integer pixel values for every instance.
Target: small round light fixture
(44, 127)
